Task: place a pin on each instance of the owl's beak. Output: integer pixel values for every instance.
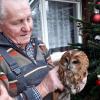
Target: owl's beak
(69, 67)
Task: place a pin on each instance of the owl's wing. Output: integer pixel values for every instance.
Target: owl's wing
(83, 83)
(81, 86)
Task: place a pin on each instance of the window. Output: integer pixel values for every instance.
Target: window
(52, 24)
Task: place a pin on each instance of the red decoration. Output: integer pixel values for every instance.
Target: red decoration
(98, 5)
(98, 2)
(98, 82)
(95, 18)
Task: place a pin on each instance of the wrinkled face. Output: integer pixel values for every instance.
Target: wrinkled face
(17, 24)
(74, 60)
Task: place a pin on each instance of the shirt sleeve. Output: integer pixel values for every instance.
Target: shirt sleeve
(31, 93)
(4, 80)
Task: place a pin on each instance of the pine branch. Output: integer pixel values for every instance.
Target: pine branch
(93, 44)
(78, 20)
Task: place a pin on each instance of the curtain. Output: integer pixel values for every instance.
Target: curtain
(60, 28)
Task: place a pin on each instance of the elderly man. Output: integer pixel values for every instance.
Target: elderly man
(24, 60)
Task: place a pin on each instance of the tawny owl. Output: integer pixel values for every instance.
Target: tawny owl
(73, 68)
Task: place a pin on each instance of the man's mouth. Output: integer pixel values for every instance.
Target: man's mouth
(23, 35)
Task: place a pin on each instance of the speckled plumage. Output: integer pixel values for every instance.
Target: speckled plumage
(73, 65)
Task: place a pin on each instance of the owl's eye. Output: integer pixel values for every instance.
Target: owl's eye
(76, 62)
(66, 60)
(66, 63)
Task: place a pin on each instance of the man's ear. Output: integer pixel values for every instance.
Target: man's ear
(0, 27)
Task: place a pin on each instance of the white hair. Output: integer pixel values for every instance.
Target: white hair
(2, 12)
(2, 8)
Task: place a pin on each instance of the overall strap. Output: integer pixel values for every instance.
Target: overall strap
(36, 47)
(37, 42)
(14, 68)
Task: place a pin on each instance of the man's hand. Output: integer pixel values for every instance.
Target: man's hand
(50, 83)
(3, 93)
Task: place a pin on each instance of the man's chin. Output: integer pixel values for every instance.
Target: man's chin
(23, 43)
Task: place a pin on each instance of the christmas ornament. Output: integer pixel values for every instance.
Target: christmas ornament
(98, 81)
(97, 37)
(97, 5)
(95, 18)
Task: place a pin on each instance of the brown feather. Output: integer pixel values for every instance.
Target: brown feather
(73, 67)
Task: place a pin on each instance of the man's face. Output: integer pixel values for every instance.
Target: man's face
(17, 24)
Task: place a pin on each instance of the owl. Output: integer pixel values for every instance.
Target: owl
(73, 69)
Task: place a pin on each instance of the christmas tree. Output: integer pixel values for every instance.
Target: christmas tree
(90, 27)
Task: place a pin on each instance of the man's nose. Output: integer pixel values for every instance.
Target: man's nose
(26, 26)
